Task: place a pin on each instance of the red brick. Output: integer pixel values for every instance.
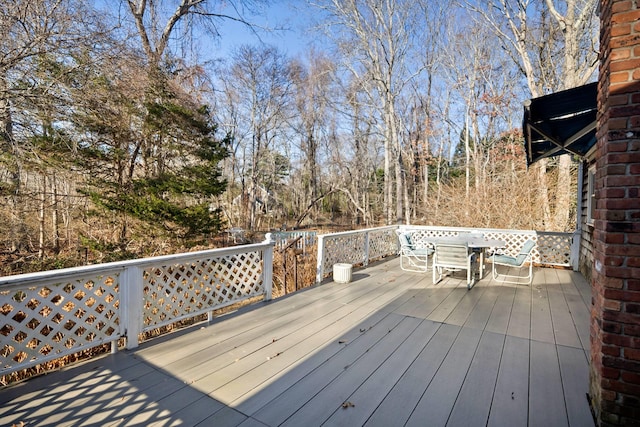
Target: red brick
(611, 350)
(622, 272)
(632, 330)
(622, 204)
(629, 16)
(614, 261)
(621, 387)
(612, 193)
(612, 327)
(633, 285)
(620, 77)
(631, 377)
(618, 123)
(615, 170)
(625, 111)
(620, 181)
(621, 6)
(628, 65)
(612, 305)
(616, 339)
(636, 50)
(632, 308)
(636, 74)
(624, 41)
(622, 295)
(634, 121)
(632, 353)
(619, 316)
(610, 373)
(620, 30)
(613, 238)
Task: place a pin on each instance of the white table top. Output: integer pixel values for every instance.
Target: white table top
(473, 241)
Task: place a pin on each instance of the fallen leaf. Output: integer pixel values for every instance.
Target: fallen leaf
(346, 405)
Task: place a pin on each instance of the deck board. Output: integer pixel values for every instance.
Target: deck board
(541, 322)
(474, 401)
(399, 403)
(394, 347)
(546, 399)
(441, 393)
(374, 389)
(510, 403)
(498, 321)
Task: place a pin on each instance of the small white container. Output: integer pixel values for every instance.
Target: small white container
(342, 272)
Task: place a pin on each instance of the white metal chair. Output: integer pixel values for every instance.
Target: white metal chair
(525, 255)
(413, 258)
(453, 257)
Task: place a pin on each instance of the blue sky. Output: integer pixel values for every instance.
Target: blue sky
(290, 14)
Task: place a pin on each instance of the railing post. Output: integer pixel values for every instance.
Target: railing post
(320, 260)
(267, 266)
(132, 299)
(365, 261)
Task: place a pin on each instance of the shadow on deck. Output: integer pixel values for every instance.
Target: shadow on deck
(387, 349)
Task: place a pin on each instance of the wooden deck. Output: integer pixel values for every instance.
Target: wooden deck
(388, 349)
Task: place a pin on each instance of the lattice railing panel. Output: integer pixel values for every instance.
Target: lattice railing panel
(41, 323)
(382, 243)
(554, 248)
(347, 248)
(175, 291)
(551, 248)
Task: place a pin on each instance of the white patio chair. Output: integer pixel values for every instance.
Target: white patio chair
(412, 258)
(514, 262)
(453, 257)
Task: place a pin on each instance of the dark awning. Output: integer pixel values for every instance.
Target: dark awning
(560, 123)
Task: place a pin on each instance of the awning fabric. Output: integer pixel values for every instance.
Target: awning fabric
(559, 123)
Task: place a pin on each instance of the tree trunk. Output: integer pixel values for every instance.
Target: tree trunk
(563, 194)
(54, 215)
(41, 216)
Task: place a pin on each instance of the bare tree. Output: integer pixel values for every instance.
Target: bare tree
(376, 39)
(258, 96)
(33, 32)
(554, 51)
(314, 90)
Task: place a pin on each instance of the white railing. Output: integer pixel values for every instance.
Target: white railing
(360, 247)
(51, 314)
(355, 247)
(552, 249)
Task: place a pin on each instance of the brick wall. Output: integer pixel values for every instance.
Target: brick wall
(615, 317)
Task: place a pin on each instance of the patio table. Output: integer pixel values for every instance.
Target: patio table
(476, 242)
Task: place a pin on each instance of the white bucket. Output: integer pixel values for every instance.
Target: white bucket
(342, 273)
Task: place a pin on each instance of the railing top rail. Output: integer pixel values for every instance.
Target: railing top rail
(445, 228)
(7, 282)
(353, 232)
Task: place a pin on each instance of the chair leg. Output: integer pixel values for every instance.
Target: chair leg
(515, 280)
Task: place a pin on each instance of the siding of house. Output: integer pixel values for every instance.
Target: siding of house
(586, 235)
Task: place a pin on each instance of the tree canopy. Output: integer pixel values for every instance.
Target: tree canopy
(126, 132)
